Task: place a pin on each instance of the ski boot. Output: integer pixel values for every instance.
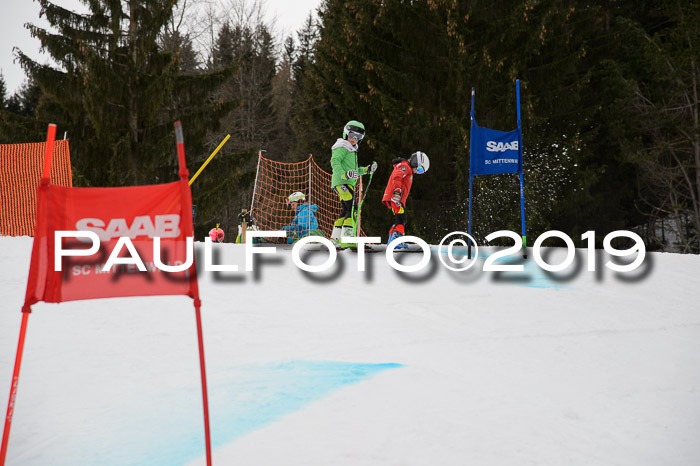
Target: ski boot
(393, 236)
(335, 237)
(348, 231)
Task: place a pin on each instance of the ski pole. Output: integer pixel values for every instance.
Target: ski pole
(359, 207)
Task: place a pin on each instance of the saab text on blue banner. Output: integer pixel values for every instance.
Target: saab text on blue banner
(494, 152)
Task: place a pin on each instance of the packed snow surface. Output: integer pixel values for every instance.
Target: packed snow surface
(365, 368)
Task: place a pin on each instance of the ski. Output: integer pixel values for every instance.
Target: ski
(371, 248)
(382, 248)
(320, 247)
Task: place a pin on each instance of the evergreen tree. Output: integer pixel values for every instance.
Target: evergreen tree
(304, 122)
(3, 91)
(289, 51)
(18, 121)
(26, 100)
(252, 51)
(307, 36)
(225, 47)
(120, 92)
(182, 48)
(283, 89)
(663, 80)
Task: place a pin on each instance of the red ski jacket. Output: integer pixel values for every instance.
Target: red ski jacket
(401, 177)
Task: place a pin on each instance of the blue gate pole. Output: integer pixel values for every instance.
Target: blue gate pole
(471, 178)
(469, 230)
(520, 150)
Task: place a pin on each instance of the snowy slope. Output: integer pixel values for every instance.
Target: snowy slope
(365, 368)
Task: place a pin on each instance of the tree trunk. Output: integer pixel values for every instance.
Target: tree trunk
(133, 97)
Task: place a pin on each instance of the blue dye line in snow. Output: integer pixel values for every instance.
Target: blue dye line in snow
(280, 389)
(536, 277)
(241, 399)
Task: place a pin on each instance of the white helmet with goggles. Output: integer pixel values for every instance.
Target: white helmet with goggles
(420, 162)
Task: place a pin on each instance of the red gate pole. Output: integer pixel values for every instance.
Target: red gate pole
(13, 387)
(26, 309)
(203, 371)
(194, 286)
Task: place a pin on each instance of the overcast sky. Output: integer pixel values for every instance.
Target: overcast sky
(289, 16)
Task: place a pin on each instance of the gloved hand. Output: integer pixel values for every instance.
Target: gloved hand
(372, 168)
(351, 175)
(396, 198)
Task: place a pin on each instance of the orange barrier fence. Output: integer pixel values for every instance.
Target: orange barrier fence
(275, 181)
(20, 172)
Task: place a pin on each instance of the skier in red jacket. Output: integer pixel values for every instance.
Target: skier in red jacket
(397, 190)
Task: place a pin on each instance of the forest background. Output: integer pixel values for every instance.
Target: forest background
(610, 104)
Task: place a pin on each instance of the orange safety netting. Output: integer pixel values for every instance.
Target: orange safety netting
(275, 181)
(20, 171)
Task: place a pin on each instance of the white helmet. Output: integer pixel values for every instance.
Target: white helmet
(420, 162)
(296, 197)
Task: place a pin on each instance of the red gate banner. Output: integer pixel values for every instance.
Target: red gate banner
(138, 213)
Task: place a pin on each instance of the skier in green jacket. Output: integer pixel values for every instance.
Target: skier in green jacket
(346, 171)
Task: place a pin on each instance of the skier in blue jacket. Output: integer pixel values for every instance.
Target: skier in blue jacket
(304, 222)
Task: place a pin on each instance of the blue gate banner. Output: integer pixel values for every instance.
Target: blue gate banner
(493, 152)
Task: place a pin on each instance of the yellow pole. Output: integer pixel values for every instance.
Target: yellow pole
(209, 159)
